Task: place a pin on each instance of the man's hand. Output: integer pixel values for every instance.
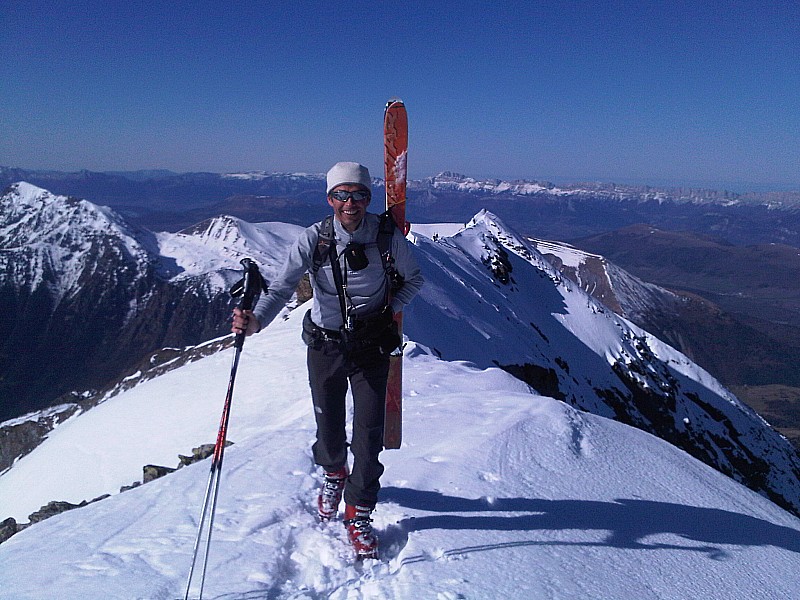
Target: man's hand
(244, 321)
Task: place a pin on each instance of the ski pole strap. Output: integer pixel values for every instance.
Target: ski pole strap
(253, 284)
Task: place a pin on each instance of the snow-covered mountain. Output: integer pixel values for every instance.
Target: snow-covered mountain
(724, 341)
(53, 241)
(495, 474)
(625, 294)
(497, 493)
(492, 299)
(680, 319)
(86, 296)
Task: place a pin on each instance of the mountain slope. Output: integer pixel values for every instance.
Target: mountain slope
(723, 343)
(67, 270)
(497, 493)
(492, 299)
(754, 280)
(86, 296)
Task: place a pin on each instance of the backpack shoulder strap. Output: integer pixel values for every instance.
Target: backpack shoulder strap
(324, 243)
(386, 227)
(324, 250)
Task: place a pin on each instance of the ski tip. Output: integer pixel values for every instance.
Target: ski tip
(394, 100)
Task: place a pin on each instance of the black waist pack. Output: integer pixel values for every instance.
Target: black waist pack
(376, 331)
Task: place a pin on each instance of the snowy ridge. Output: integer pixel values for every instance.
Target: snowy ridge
(218, 244)
(54, 239)
(491, 298)
(497, 493)
(494, 476)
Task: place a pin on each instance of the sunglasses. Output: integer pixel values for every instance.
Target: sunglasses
(344, 195)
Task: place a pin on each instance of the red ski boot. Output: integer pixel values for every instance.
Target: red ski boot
(359, 530)
(330, 494)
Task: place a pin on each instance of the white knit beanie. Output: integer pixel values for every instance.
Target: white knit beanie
(348, 172)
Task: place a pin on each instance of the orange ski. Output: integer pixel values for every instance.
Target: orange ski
(395, 138)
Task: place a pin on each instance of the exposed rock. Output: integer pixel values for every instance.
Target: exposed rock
(198, 454)
(541, 379)
(125, 488)
(8, 528)
(151, 472)
(496, 260)
(51, 509)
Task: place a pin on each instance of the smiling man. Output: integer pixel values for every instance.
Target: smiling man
(355, 260)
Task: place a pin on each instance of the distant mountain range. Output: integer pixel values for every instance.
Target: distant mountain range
(165, 201)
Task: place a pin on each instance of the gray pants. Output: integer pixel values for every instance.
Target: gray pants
(329, 371)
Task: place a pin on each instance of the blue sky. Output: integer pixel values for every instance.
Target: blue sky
(692, 92)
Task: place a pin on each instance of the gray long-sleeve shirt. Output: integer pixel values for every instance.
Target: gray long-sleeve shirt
(366, 289)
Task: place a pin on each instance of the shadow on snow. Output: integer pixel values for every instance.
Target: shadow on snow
(628, 522)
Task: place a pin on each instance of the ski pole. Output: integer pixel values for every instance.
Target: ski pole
(248, 289)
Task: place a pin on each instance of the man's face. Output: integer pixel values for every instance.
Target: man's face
(350, 212)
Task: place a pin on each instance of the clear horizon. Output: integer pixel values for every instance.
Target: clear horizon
(739, 187)
(641, 92)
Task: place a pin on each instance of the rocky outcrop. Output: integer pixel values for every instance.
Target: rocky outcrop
(8, 528)
(57, 507)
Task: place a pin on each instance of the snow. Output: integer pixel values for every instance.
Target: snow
(454, 181)
(222, 243)
(569, 255)
(496, 493)
(261, 175)
(436, 230)
(59, 241)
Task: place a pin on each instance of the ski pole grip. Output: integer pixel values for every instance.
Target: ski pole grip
(251, 286)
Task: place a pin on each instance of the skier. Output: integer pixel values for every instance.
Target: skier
(350, 333)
